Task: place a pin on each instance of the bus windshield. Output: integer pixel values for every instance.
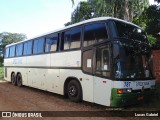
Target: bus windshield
(130, 32)
(132, 61)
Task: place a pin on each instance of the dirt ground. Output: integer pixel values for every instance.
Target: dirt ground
(13, 98)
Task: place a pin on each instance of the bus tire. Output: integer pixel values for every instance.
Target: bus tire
(19, 80)
(74, 91)
(13, 79)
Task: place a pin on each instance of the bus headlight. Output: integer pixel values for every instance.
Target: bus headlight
(123, 91)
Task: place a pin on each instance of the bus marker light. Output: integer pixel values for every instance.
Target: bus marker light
(119, 91)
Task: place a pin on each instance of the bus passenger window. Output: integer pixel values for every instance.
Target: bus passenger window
(71, 39)
(75, 38)
(35, 46)
(27, 48)
(12, 51)
(67, 39)
(19, 49)
(6, 53)
(51, 43)
(38, 46)
(94, 33)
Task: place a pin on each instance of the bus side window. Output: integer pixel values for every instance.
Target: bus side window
(12, 51)
(6, 53)
(38, 46)
(75, 38)
(35, 46)
(19, 49)
(51, 43)
(27, 48)
(71, 39)
(94, 33)
(66, 40)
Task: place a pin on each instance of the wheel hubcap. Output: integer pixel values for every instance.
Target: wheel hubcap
(73, 91)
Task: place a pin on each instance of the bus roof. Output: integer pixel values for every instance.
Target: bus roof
(74, 25)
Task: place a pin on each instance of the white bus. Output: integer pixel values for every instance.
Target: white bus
(102, 60)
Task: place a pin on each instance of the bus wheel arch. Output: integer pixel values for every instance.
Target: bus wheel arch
(19, 79)
(13, 78)
(73, 89)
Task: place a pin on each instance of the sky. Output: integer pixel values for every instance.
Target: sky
(35, 17)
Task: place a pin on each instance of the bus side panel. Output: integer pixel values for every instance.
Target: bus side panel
(52, 80)
(66, 59)
(102, 91)
(38, 61)
(37, 66)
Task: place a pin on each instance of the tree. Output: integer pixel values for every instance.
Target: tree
(123, 9)
(153, 20)
(82, 12)
(8, 38)
(150, 21)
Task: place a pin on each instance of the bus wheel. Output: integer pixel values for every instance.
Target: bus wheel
(13, 79)
(74, 91)
(19, 80)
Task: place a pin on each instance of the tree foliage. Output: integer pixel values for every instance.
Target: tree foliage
(150, 21)
(123, 9)
(153, 20)
(82, 12)
(8, 38)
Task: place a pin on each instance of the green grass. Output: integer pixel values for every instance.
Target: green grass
(1, 73)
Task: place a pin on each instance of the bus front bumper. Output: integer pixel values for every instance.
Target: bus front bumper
(121, 100)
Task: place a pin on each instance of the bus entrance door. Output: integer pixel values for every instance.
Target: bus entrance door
(102, 84)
